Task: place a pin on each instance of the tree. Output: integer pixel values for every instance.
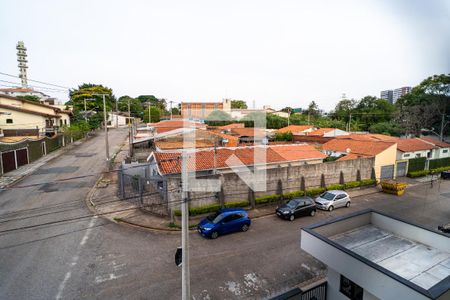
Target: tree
(287, 109)
(255, 119)
(371, 110)
(29, 98)
(312, 110)
(238, 104)
(283, 136)
(417, 117)
(155, 114)
(136, 107)
(86, 91)
(218, 118)
(159, 103)
(175, 111)
(343, 109)
(388, 128)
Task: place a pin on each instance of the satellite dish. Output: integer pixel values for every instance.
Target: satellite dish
(348, 150)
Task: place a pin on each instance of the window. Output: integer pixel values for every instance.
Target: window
(350, 289)
(60, 123)
(429, 154)
(65, 122)
(9, 121)
(228, 219)
(418, 155)
(406, 155)
(444, 150)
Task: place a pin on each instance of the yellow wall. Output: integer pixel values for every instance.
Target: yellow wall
(387, 157)
(21, 120)
(29, 106)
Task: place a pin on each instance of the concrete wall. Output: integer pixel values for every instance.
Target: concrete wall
(235, 189)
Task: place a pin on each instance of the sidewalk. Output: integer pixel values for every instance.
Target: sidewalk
(104, 201)
(15, 176)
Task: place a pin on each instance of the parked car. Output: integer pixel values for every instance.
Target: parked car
(224, 221)
(297, 207)
(333, 199)
(445, 174)
(444, 228)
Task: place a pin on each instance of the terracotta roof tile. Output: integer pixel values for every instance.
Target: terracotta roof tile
(321, 131)
(168, 125)
(411, 145)
(352, 156)
(364, 147)
(248, 132)
(232, 125)
(435, 142)
(170, 162)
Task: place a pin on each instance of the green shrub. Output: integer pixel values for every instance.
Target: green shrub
(292, 195)
(193, 211)
(417, 164)
(366, 182)
(415, 174)
(242, 203)
(267, 199)
(315, 191)
(439, 170)
(439, 163)
(351, 184)
(335, 187)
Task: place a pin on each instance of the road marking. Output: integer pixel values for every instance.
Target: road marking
(111, 276)
(75, 259)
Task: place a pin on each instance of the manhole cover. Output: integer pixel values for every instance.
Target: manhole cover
(57, 170)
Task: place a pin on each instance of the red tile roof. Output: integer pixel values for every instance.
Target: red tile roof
(321, 131)
(170, 162)
(248, 132)
(352, 156)
(435, 142)
(232, 125)
(364, 147)
(294, 128)
(17, 90)
(168, 125)
(411, 145)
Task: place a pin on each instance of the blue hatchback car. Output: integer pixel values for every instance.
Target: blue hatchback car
(224, 221)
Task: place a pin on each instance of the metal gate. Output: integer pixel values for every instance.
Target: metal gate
(21, 157)
(387, 172)
(318, 292)
(401, 168)
(8, 161)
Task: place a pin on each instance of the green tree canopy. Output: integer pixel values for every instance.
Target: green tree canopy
(218, 118)
(29, 98)
(238, 104)
(155, 114)
(88, 91)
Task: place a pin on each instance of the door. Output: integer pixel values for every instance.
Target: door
(227, 224)
(340, 200)
(387, 172)
(401, 168)
(22, 157)
(8, 161)
(301, 209)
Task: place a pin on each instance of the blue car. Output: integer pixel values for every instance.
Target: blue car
(224, 221)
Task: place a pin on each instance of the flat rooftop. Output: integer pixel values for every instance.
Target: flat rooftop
(408, 253)
(421, 264)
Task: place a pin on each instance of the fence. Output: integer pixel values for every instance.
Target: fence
(440, 162)
(417, 164)
(137, 186)
(318, 292)
(35, 150)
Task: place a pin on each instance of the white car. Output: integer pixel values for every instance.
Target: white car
(333, 199)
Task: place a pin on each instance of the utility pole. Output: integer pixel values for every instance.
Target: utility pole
(106, 127)
(149, 112)
(85, 109)
(441, 136)
(117, 113)
(185, 273)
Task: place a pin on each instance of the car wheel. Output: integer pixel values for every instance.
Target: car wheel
(347, 204)
(331, 208)
(214, 235)
(313, 213)
(244, 227)
(291, 218)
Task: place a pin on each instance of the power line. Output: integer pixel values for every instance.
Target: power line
(35, 86)
(42, 82)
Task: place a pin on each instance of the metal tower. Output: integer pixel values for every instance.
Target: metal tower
(22, 59)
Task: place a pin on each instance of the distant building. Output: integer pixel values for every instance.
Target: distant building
(22, 60)
(393, 95)
(387, 95)
(201, 110)
(400, 92)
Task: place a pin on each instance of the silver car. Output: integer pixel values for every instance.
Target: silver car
(332, 199)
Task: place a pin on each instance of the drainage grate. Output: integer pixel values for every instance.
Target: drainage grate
(57, 170)
(86, 154)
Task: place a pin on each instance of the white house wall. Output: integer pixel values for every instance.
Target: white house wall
(408, 155)
(335, 132)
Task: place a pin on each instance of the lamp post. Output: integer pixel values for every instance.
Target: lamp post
(85, 109)
(106, 127)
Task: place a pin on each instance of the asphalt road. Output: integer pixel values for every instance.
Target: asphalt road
(92, 258)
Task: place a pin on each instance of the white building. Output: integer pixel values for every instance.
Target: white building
(118, 119)
(370, 255)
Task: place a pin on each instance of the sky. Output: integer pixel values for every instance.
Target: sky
(277, 53)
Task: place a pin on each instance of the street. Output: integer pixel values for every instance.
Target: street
(92, 258)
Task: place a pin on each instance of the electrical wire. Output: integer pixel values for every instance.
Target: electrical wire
(41, 82)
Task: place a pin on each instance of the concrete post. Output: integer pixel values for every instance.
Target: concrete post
(251, 198)
(341, 178)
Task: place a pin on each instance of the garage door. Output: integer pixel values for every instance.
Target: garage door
(22, 157)
(8, 161)
(401, 169)
(387, 172)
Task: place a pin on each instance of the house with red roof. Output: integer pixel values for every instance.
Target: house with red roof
(328, 132)
(210, 160)
(384, 152)
(442, 149)
(297, 129)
